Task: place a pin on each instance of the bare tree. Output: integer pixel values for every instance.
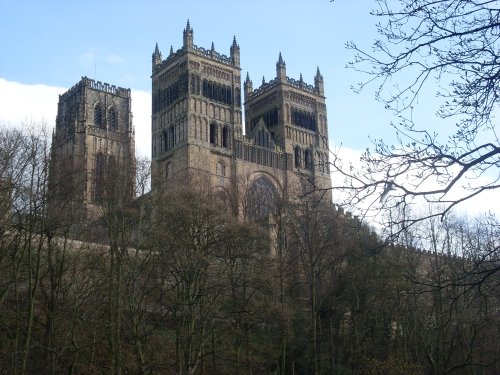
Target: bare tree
(451, 47)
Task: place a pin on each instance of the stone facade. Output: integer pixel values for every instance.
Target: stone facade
(92, 144)
(197, 133)
(197, 128)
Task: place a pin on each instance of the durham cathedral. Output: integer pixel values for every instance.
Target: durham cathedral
(197, 134)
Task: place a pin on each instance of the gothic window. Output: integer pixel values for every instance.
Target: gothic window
(192, 84)
(111, 164)
(168, 170)
(213, 134)
(165, 141)
(217, 92)
(262, 199)
(307, 159)
(304, 119)
(220, 169)
(225, 137)
(99, 177)
(297, 157)
(171, 137)
(98, 117)
(112, 119)
(238, 97)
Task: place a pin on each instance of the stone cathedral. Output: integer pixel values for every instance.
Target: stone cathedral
(197, 130)
(93, 139)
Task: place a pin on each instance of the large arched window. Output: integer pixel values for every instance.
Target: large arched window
(98, 116)
(213, 134)
(262, 199)
(112, 119)
(225, 137)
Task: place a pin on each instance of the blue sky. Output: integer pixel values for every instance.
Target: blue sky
(54, 43)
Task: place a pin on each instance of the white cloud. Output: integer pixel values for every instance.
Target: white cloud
(485, 202)
(113, 58)
(88, 58)
(91, 58)
(36, 104)
(141, 110)
(28, 103)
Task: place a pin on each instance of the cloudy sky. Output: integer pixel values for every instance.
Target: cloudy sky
(47, 46)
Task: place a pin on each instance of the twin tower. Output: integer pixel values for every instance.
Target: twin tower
(197, 131)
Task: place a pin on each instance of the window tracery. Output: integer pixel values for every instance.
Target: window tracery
(112, 119)
(98, 116)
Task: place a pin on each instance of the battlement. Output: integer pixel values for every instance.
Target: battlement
(98, 86)
(212, 54)
(106, 87)
(299, 84)
(200, 51)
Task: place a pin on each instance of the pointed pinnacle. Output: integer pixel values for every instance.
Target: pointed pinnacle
(188, 26)
(318, 74)
(280, 59)
(301, 77)
(235, 44)
(171, 50)
(213, 48)
(248, 78)
(263, 80)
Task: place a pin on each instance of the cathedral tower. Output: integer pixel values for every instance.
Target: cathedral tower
(196, 113)
(197, 135)
(294, 115)
(92, 149)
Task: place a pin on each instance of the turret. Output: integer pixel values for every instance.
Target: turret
(235, 52)
(156, 58)
(281, 69)
(319, 83)
(247, 86)
(188, 36)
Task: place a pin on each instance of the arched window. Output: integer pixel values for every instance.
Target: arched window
(112, 119)
(171, 138)
(297, 157)
(99, 177)
(98, 117)
(220, 169)
(213, 134)
(165, 141)
(225, 137)
(111, 164)
(168, 170)
(262, 199)
(307, 159)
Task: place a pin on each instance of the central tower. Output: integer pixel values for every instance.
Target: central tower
(196, 113)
